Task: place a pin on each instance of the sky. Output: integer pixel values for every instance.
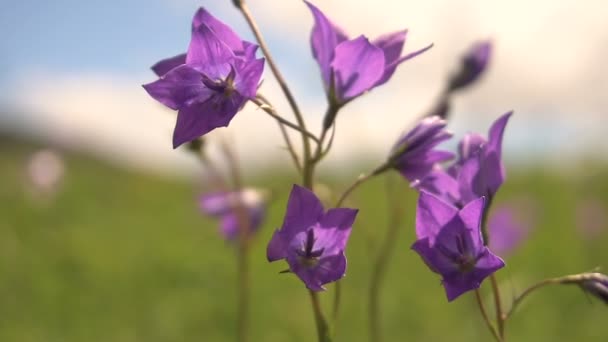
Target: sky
(72, 74)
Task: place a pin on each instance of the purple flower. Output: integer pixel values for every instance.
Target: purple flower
(450, 243)
(350, 67)
(506, 230)
(312, 240)
(225, 206)
(481, 170)
(414, 156)
(473, 65)
(478, 171)
(211, 82)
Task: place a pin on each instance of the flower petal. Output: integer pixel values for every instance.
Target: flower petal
(496, 132)
(303, 211)
(357, 66)
(248, 78)
(324, 38)
(179, 88)
(431, 215)
(471, 216)
(207, 50)
(392, 45)
(222, 31)
(334, 230)
(217, 203)
(441, 184)
(277, 247)
(201, 118)
(164, 66)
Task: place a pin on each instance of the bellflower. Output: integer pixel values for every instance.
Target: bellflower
(211, 82)
(312, 240)
(225, 206)
(413, 155)
(350, 67)
(474, 63)
(481, 170)
(450, 243)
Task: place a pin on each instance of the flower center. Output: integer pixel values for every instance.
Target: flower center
(462, 258)
(307, 256)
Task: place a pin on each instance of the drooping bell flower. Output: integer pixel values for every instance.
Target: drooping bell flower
(211, 82)
(473, 65)
(350, 67)
(451, 244)
(312, 240)
(414, 155)
(236, 210)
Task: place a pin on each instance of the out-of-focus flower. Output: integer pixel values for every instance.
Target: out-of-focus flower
(45, 171)
(507, 229)
(413, 155)
(591, 218)
(235, 208)
(474, 63)
(211, 82)
(312, 240)
(350, 67)
(450, 243)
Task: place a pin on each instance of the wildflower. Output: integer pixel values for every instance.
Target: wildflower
(211, 82)
(413, 154)
(480, 168)
(228, 206)
(350, 67)
(312, 240)
(474, 63)
(450, 243)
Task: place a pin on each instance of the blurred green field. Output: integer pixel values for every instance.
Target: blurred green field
(120, 256)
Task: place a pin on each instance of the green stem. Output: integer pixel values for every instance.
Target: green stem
(485, 316)
(500, 319)
(323, 334)
(242, 6)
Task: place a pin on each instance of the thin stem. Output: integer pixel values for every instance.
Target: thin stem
(336, 304)
(360, 180)
(266, 107)
(528, 291)
(322, 328)
(484, 314)
(380, 265)
(498, 305)
(242, 6)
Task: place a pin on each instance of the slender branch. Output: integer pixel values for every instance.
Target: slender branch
(528, 291)
(242, 6)
(266, 107)
(322, 328)
(336, 304)
(360, 180)
(498, 305)
(484, 314)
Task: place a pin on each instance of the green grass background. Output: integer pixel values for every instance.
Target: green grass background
(122, 256)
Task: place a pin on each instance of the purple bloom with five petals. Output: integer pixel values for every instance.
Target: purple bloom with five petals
(225, 205)
(450, 243)
(474, 63)
(350, 67)
(211, 82)
(414, 156)
(312, 240)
